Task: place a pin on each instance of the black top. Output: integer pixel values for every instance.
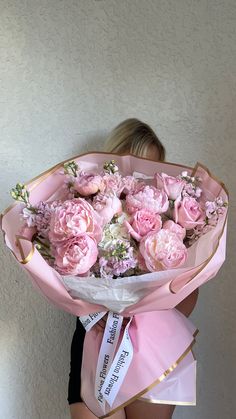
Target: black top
(75, 364)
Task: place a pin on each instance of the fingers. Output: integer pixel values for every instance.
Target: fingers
(101, 324)
(98, 327)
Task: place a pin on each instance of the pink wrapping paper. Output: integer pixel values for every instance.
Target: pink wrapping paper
(168, 335)
(161, 340)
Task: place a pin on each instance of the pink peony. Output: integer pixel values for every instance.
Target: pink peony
(131, 184)
(112, 183)
(72, 218)
(76, 255)
(142, 222)
(188, 213)
(148, 197)
(175, 228)
(87, 183)
(163, 250)
(107, 206)
(171, 185)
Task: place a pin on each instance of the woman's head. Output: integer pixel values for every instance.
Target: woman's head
(135, 137)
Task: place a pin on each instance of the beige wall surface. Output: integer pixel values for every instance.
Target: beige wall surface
(69, 72)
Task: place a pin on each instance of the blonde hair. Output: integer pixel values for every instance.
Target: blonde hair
(135, 137)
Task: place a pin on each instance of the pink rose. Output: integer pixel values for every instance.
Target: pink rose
(107, 206)
(76, 255)
(72, 218)
(172, 185)
(142, 222)
(87, 183)
(163, 250)
(175, 228)
(148, 197)
(188, 213)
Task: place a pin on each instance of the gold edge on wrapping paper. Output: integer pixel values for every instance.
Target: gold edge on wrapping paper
(48, 172)
(155, 383)
(4, 238)
(195, 333)
(25, 259)
(206, 261)
(174, 402)
(177, 403)
(198, 164)
(45, 174)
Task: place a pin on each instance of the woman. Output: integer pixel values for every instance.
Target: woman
(134, 137)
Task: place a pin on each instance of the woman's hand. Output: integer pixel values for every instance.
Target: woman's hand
(101, 324)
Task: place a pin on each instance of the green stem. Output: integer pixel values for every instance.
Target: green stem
(42, 243)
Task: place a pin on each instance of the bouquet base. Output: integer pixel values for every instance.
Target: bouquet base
(163, 368)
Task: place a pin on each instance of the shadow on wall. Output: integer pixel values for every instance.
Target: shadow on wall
(91, 141)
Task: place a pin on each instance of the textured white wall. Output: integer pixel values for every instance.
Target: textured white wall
(71, 70)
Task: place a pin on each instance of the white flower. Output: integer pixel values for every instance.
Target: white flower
(113, 232)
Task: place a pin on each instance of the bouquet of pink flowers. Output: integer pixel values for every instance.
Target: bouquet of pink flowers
(131, 237)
